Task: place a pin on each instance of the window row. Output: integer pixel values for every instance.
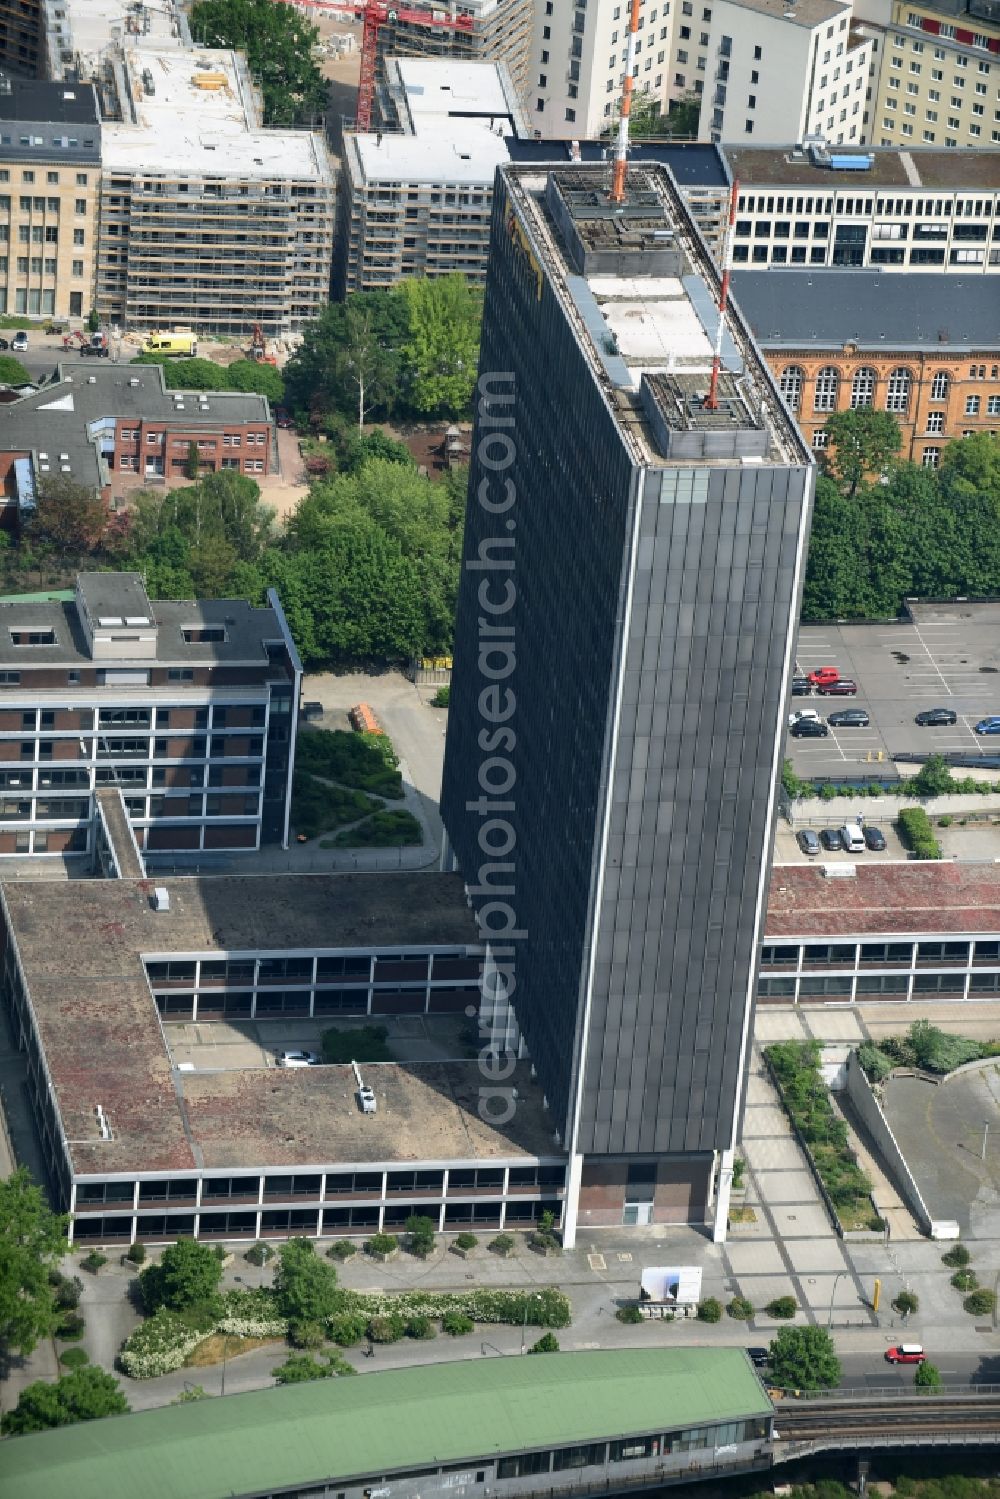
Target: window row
(955, 951)
(828, 381)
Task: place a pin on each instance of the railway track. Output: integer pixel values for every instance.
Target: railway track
(916, 1421)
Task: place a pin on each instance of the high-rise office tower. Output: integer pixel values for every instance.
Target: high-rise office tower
(633, 567)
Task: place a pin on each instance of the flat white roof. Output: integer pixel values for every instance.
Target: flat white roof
(439, 87)
(200, 118)
(456, 113)
(409, 158)
(93, 24)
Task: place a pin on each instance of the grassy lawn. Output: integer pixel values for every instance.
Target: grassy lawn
(366, 762)
(318, 808)
(398, 829)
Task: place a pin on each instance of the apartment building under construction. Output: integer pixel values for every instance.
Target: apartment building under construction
(207, 218)
(498, 31)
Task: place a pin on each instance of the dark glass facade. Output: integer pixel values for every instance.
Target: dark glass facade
(650, 621)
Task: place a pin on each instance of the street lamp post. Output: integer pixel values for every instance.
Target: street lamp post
(838, 1277)
(524, 1325)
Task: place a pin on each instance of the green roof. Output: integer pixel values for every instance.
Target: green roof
(299, 1435)
(46, 596)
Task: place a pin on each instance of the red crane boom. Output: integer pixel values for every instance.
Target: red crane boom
(375, 14)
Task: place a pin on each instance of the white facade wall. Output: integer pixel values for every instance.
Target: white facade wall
(771, 79)
(579, 52)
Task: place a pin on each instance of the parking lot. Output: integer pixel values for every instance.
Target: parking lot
(946, 656)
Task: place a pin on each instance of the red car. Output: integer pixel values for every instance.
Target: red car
(824, 674)
(906, 1353)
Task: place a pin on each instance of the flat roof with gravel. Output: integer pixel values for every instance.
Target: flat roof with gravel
(397, 1420)
(104, 1044)
(918, 898)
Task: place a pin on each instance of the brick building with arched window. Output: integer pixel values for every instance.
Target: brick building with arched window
(840, 340)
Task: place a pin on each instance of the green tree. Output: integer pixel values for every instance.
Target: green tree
(906, 1302)
(187, 1276)
(192, 465)
(360, 336)
(421, 1231)
(69, 518)
(934, 777)
(804, 1358)
(12, 371)
(441, 355)
(866, 443)
(357, 450)
(547, 1343)
(685, 114)
(928, 1377)
(306, 1285)
(971, 467)
(32, 1240)
(186, 374)
(86, 1394)
(351, 595)
(279, 45)
(253, 376)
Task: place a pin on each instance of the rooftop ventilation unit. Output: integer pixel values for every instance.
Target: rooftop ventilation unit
(161, 898)
(839, 871)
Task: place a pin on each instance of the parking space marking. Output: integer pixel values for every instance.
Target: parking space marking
(926, 648)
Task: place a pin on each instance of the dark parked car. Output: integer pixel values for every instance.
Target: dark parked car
(758, 1357)
(842, 687)
(809, 728)
(807, 841)
(831, 839)
(801, 687)
(931, 718)
(849, 718)
(283, 417)
(874, 840)
(4, 343)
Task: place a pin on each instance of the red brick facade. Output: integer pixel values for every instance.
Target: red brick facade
(161, 449)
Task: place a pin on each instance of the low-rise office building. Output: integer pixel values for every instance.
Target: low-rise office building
(108, 425)
(921, 210)
(840, 340)
(187, 707)
(896, 932)
(50, 171)
(144, 1141)
(417, 200)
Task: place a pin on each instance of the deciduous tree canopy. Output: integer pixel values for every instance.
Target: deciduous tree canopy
(279, 43)
(926, 533)
(32, 1239)
(85, 1395)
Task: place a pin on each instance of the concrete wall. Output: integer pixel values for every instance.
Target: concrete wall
(868, 1111)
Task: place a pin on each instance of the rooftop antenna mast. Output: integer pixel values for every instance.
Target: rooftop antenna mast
(621, 144)
(712, 399)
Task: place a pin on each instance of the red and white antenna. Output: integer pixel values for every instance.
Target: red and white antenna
(712, 399)
(621, 144)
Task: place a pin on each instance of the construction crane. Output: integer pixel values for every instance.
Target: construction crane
(375, 15)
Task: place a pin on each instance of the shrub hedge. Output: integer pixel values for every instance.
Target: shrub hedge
(806, 1098)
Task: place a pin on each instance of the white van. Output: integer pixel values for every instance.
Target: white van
(854, 838)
